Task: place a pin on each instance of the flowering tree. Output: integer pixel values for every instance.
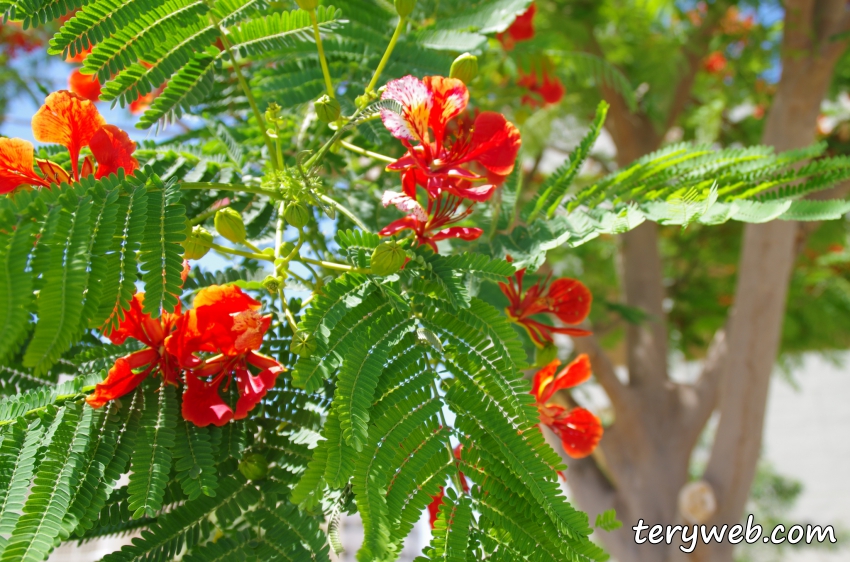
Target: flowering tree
(349, 352)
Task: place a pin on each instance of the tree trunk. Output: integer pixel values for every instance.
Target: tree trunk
(643, 460)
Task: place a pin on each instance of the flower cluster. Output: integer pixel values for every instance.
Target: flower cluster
(578, 429)
(203, 348)
(453, 160)
(543, 88)
(522, 29)
(14, 39)
(568, 299)
(75, 123)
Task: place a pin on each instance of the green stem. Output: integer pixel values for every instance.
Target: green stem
(322, 61)
(364, 152)
(229, 187)
(344, 210)
(385, 59)
(334, 265)
(258, 115)
(234, 251)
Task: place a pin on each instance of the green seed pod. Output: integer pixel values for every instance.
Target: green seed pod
(297, 215)
(404, 7)
(543, 355)
(327, 108)
(307, 4)
(303, 344)
(197, 243)
(387, 259)
(229, 223)
(254, 466)
(464, 68)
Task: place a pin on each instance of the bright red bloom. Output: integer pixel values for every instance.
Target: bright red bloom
(80, 56)
(69, 120)
(129, 371)
(579, 430)
(547, 381)
(225, 321)
(84, 85)
(113, 150)
(522, 29)
(430, 225)
(439, 160)
(715, 63)
(568, 299)
(16, 165)
(541, 86)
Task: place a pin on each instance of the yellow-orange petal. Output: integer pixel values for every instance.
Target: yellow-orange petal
(69, 120)
(84, 85)
(16, 165)
(113, 150)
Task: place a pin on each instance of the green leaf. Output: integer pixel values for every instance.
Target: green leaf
(161, 252)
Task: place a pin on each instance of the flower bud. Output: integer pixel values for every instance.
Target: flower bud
(229, 223)
(544, 355)
(387, 259)
(297, 215)
(307, 4)
(254, 466)
(464, 68)
(404, 7)
(197, 243)
(272, 284)
(327, 108)
(303, 344)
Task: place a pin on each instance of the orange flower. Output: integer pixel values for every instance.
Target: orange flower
(129, 371)
(16, 165)
(84, 85)
(522, 29)
(69, 120)
(715, 63)
(542, 84)
(579, 430)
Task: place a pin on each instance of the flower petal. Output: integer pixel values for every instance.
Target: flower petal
(119, 381)
(138, 325)
(416, 102)
(577, 372)
(69, 120)
(84, 85)
(113, 150)
(252, 388)
(16, 165)
(405, 204)
(569, 300)
(399, 225)
(462, 232)
(580, 432)
(450, 98)
(202, 404)
(542, 379)
(495, 143)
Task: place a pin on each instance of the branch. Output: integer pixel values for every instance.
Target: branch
(707, 386)
(604, 372)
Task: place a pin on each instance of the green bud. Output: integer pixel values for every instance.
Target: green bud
(307, 4)
(404, 7)
(272, 284)
(229, 223)
(544, 355)
(297, 215)
(273, 112)
(464, 68)
(387, 258)
(197, 243)
(303, 344)
(327, 108)
(254, 466)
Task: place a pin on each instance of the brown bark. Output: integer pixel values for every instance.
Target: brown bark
(643, 460)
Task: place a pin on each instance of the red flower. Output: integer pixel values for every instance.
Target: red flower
(438, 163)
(715, 63)
(129, 371)
(113, 150)
(80, 56)
(522, 29)
(579, 430)
(225, 321)
(13, 39)
(16, 165)
(568, 299)
(84, 85)
(429, 226)
(542, 85)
